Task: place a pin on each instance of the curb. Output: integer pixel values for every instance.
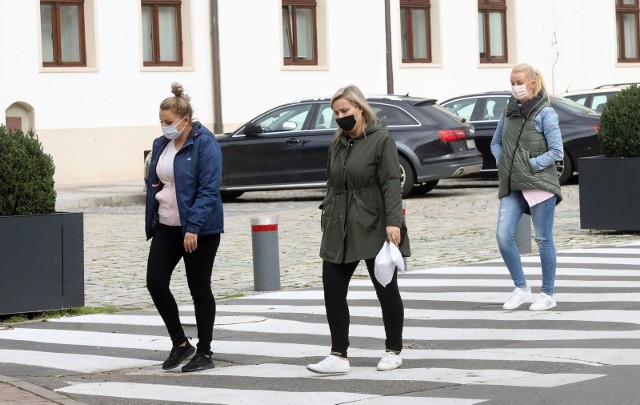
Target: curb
(93, 202)
(20, 385)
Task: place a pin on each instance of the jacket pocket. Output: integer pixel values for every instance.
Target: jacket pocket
(368, 214)
(527, 161)
(327, 211)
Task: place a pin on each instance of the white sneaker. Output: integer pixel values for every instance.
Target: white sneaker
(331, 365)
(543, 302)
(389, 361)
(518, 297)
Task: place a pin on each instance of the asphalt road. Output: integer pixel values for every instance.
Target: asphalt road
(460, 346)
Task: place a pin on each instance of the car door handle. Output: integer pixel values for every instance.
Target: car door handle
(292, 141)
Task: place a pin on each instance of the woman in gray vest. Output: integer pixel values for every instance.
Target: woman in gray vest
(526, 145)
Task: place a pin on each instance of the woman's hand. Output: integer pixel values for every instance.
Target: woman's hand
(393, 235)
(191, 242)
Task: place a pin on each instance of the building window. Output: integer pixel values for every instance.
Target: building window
(627, 12)
(492, 25)
(161, 33)
(299, 32)
(415, 23)
(62, 30)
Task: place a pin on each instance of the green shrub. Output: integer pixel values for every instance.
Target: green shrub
(620, 124)
(26, 175)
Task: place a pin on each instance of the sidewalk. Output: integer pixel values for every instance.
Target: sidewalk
(79, 197)
(14, 391)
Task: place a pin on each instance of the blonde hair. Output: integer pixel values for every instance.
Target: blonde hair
(532, 74)
(179, 104)
(353, 95)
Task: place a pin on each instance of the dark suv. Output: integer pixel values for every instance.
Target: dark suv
(287, 146)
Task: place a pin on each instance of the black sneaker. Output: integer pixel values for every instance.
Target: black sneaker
(177, 355)
(199, 362)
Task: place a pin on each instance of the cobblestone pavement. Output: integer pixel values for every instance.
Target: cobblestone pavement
(452, 225)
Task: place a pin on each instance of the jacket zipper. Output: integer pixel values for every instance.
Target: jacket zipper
(350, 144)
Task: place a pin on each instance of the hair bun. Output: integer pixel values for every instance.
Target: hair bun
(178, 91)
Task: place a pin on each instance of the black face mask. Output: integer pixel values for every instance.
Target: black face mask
(346, 123)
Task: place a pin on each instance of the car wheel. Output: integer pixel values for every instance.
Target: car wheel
(230, 195)
(565, 168)
(424, 188)
(407, 178)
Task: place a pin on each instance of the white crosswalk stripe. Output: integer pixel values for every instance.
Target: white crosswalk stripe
(513, 378)
(265, 338)
(198, 395)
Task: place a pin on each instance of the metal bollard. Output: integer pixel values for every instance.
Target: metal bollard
(522, 236)
(404, 217)
(266, 262)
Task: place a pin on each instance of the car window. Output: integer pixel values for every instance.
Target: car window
(325, 118)
(599, 101)
(392, 115)
(289, 118)
(427, 108)
(462, 108)
(494, 108)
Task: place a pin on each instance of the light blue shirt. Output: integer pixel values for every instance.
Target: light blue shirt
(546, 123)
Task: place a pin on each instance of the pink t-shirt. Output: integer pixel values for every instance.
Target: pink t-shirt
(168, 209)
(534, 197)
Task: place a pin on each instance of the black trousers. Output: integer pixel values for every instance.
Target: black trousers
(166, 251)
(335, 281)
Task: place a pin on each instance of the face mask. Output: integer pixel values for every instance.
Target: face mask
(171, 131)
(519, 92)
(346, 123)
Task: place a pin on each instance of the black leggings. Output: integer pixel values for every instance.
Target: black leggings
(166, 251)
(335, 281)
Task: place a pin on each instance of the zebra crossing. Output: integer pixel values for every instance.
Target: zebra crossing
(460, 346)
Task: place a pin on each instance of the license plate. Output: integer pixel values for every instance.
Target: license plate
(471, 143)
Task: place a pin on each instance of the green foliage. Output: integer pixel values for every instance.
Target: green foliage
(620, 124)
(43, 316)
(26, 175)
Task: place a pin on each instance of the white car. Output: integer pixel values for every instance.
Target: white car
(595, 98)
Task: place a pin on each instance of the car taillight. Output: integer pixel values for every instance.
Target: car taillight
(448, 135)
(596, 128)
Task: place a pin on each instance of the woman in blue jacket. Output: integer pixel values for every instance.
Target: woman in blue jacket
(184, 218)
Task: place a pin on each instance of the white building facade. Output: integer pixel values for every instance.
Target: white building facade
(88, 75)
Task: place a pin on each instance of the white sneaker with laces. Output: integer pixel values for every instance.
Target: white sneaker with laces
(518, 297)
(544, 301)
(331, 365)
(389, 361)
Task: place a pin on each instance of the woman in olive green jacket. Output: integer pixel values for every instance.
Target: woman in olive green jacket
(362, 209)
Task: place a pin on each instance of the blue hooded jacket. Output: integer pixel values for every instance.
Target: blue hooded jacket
(198, 173)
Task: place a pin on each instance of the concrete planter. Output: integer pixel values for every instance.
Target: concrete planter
(42, 262)
(609, 193)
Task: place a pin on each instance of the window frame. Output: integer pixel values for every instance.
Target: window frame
(621, 10)
(56, 31)
(406, 9)
(155, 30)
(485, 7)
(289, 10)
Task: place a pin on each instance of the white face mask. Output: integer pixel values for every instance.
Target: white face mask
(171, 131)
(519, 92)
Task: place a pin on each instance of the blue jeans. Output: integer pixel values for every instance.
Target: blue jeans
(512, 207)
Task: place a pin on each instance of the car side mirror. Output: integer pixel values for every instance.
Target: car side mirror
(252, 129)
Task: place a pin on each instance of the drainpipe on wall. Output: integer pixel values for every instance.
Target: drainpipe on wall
(387, 29)
(215, 67)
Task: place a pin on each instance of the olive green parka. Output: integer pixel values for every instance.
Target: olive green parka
(364, 196)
